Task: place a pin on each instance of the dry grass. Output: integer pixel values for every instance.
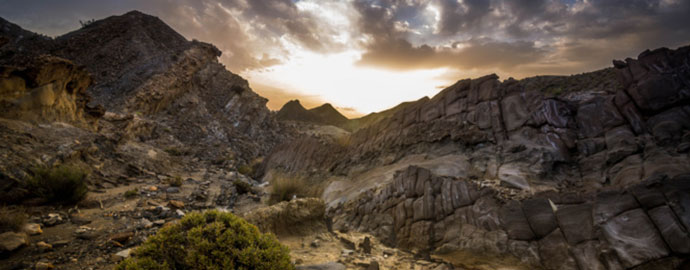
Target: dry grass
(284, 188)
(11, 219)
(64, 184)
(175, 181)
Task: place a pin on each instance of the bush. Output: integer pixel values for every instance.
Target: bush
(210, 240)
(62, 184)
(131, 193)
(175, 181)
(243, 187)
(245, 169)
(11, 219)
(284, 188)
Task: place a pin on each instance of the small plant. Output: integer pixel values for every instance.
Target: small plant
(284, 188)
(63, 184)
(173, 151)
(175, 181)
(11, 219)
(245, 169)
(131, 193)
(243, 187)
(86, 23)
(210, 240)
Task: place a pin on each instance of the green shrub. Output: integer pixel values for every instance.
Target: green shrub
(11, 219)
(284, 188)
(210, 240)
(62, 184)
(243, 187)
(131, 193)
(245, 169)
(175, 181)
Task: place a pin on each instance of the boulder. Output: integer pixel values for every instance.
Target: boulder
(11, 241)
(576, 222)
(540, 215)
(634, 238)
(514, 222)
(553, 250)
(672, 231)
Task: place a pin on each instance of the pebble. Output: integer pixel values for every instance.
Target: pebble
(176, 204)
(43, 246)
(44, 266)
(33, 229)
(173, 190)
(124, 253)
(159, 222)
(11, 241)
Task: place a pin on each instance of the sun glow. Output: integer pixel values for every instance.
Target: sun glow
(337, 79)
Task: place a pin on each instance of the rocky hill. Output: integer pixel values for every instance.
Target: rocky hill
(554, 172)
(322, 115)
(588, 171)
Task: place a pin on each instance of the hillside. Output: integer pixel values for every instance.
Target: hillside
(588, 171)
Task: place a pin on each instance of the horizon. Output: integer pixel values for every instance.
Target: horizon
(338, 52)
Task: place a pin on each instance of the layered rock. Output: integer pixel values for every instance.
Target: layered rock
(47, 89)
(183, 95)
(606, 230)
(535, 160)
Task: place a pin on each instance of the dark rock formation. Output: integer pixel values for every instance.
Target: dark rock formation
(559, 172)
(141, 66)
(322, 115)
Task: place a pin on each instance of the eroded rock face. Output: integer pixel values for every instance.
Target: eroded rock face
(47, 89)
(558, 231)
(565, 164)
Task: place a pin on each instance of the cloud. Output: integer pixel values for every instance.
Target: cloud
(519, 38)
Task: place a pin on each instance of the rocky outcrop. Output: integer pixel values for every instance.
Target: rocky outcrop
(322, 115)
(605, 230)
(187, 99)
(577, 138)
(47, 89)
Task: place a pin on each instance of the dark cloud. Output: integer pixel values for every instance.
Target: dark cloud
(522, 37)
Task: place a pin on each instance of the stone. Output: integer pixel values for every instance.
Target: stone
(576, 222)
(597, 115)
(32, 229)
(634, 238)
(587, 257)
(315, 244)
(610, 204)
(540, 215)
(373, 265)
(514, 175)
(79, 219)
(179, 213)
(44, 266)
(366, 245)
(173, 190)
(620, 143)
(159, 222)
(176, 204)
(553, 250)
(671, 230)
(514, 222)
(52, 219)
(121, 237)
(325, 266)
(125, 253)
(152, 188)
(11, 241)
(43, 246)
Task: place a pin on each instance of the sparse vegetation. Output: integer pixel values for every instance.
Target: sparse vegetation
(210, 240)
(65, 184)
(284, 188)
(173, 151)
(243, 187)
(245, 169)
(86, 23)
(175, 181)
(11, 219)
(131, 193)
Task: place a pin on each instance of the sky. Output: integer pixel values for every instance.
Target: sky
(365, 56)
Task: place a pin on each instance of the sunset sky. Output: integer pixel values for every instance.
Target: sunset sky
(366, 56)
